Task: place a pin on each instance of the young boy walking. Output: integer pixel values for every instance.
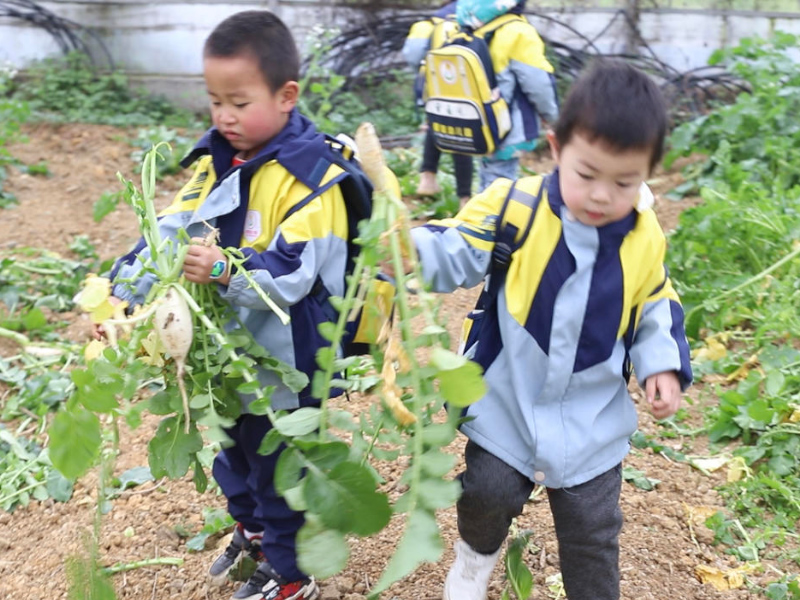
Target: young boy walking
(586, 299)
(263, 180)
(524, 78)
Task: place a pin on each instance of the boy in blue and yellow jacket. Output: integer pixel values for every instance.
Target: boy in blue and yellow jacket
(524, 78)
(264, 179)
(586, 298)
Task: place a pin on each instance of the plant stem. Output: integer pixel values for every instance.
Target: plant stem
(139, 564)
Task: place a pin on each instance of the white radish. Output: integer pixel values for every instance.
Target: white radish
(173, 323)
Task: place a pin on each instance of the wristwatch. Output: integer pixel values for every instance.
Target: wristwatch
(218, 269)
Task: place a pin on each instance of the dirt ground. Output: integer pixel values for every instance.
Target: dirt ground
(660, 549)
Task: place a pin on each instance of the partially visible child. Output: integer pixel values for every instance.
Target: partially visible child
(423, 36)
(264, 179)
(586, 299)
(524, 78)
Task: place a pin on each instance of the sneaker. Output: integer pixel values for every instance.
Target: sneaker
(253, 588)
(305, 589)
(266, 584)
(219, 569)
(468, 578)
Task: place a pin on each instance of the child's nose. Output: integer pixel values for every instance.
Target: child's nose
(226, 115)
(600, 192)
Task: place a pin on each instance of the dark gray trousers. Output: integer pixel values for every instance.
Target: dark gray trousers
(587, 520)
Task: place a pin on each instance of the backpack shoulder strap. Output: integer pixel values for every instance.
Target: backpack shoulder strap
(356, 187)
(510, 236)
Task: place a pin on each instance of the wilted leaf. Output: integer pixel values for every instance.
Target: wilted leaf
(729, 579)
(713, 350)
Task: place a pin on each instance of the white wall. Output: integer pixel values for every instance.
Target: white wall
(158, 43)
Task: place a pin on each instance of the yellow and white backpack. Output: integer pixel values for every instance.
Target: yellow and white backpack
(465, 112)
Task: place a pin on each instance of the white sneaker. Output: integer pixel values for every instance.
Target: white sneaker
(468, 578)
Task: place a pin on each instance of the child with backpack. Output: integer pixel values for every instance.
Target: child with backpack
(524, 79)
(424, 35)
(578, 297)
(274, 187)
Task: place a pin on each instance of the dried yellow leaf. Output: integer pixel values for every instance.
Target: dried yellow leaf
(713, 350)
(152, 350)
(795, 416)
(729, 579)
(399, 410)
(93, 350)
(697, 515)
(743, 371)
(737, 469)
(710, 463)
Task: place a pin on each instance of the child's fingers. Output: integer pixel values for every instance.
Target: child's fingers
(650, 388)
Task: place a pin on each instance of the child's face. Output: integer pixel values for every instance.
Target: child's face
(599, 185)
(243, 108)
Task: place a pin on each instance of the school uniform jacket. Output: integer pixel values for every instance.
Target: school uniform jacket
(285, 211)
(580, 305)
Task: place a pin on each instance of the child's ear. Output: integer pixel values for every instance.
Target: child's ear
(553, 142)
(288, 94)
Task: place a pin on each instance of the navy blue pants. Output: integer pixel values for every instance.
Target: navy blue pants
(587, 519)
(246, 478)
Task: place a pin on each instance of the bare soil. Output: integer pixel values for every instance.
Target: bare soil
(660, 546)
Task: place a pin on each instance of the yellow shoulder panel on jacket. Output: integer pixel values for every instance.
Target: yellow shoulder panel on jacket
(196, 189)
(274, 192)
(526, 270)
(421, 30)
(518, 41)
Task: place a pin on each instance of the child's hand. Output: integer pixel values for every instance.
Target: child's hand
(204, 264)
(663, 391)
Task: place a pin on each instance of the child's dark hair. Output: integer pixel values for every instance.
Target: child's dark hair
(615, 102)
(264, 36)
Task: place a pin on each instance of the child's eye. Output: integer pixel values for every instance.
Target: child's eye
(241, 105)
(624, 184)
(585, 176)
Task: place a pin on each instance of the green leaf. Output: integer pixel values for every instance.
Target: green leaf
(346, 499)
(135, 476)
(438, 493)
(74, 441)
(288, 470)
(638, 479)
(299, 422)
(421, 542)
(464, 386)
(321, 552)
(519, 576)
(172, 451)
(271, 442)
(34, 319)
(59, 488)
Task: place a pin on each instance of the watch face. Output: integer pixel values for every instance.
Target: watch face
(217, 269)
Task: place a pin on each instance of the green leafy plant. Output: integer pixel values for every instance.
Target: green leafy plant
(169, 156)
(13, 112)
(519, 580)
(70, 89)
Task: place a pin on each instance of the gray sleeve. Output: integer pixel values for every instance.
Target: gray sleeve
(448, 260)
(539, 88)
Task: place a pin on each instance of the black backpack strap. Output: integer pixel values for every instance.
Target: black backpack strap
(508, 239)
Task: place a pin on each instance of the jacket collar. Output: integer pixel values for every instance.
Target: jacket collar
(297, 147)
